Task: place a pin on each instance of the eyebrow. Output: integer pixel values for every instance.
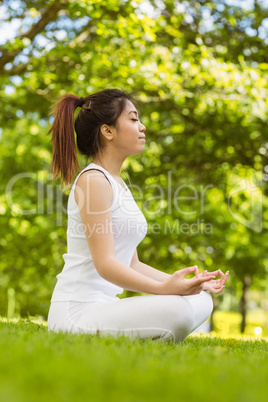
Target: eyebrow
(134, 111)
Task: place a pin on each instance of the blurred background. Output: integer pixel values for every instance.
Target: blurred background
(198, 71)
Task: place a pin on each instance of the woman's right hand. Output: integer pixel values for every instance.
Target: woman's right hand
(176, 284)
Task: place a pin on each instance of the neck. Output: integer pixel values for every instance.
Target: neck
(109, 163)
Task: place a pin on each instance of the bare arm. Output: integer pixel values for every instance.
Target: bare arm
(93, 194)
(147, 270)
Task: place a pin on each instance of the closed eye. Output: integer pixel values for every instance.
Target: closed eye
(134, 119)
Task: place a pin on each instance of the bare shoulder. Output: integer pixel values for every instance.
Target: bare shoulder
(94, 198)
(94, 187)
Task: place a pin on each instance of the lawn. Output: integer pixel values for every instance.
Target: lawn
(37, 365)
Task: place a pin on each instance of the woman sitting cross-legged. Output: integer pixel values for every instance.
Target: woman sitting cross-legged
(105, 226)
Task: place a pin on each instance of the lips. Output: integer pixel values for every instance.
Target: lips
(143, 137)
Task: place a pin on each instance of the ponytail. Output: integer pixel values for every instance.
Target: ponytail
(64, 158)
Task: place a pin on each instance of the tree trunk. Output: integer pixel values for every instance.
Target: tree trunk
(211, 326)
(246, 285)
(215, 305)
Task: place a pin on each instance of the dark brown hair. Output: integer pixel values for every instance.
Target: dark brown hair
(103, 107)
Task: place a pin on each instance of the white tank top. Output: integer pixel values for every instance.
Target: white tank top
(79, 279)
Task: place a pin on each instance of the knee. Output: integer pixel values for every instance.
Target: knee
(202, 305)
(207, 302)
(190, 311)
(182, 319)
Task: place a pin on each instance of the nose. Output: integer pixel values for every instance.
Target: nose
(142, 127)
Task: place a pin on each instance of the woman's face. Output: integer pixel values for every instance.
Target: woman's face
(129, 134)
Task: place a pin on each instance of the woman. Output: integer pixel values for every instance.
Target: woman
(105, 226)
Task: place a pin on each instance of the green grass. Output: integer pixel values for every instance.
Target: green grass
(37, 365)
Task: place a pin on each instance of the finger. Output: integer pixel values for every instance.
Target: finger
(201, 279)
(216, 291)
(216, 284)
(225, 277)
(222, 280)
(216, 273)
(196, 272)
(221, 273)
(206, 278)
(188, 270)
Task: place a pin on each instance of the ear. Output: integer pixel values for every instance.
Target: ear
(107, 132)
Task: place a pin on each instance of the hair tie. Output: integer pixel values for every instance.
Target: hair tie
(81, 101)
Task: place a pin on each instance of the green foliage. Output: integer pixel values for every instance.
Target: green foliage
(67, 367)
(202, 95)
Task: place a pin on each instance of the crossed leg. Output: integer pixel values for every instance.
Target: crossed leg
(159, 317)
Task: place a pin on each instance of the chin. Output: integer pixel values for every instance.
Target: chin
(137, 152)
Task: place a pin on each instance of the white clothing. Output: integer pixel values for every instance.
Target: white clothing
(79, 280)
(84, 302)
(161, 317)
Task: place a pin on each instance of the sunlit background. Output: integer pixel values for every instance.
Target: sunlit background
(199, 73)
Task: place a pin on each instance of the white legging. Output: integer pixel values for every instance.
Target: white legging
(160, 317)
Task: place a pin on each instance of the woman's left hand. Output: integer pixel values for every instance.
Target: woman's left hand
(215, 285)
